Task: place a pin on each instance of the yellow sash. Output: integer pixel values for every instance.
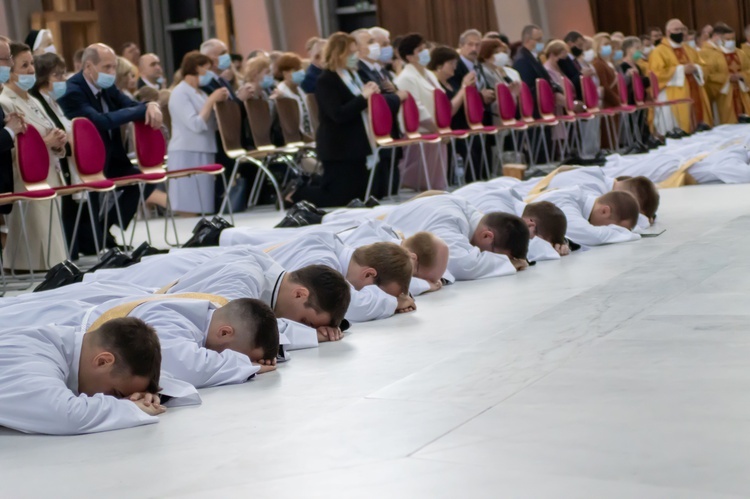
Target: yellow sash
(681, 176)
(271, 248)
(532, 197)
(125, 309)
(544, 182)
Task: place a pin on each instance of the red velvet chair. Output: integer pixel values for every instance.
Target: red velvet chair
(656, 90)
(548, 119)
(507, 109)
(443, 119)
(33, 166)
(625, 109)
(591, 101)
(547, 107)
(474, 109)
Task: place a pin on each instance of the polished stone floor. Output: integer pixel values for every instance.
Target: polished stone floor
(621, 372)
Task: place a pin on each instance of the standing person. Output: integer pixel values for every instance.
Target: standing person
(727, 75)
(556, 51)
(193, 128)
(44, 231)
(342, 140)
(91, 94)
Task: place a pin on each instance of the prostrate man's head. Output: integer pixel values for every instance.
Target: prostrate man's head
(120, 358)
(645, 193)
(468, 44)
(615, 208)
(316, 296)
(386, 265)
(247, 326)
(431, 255)
(502, 233)
(547, 221)
(99, 65)
(150, 68)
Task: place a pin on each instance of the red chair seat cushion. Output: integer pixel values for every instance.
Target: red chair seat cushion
(208, 169)
(546, 121)
(85, 186)
(565, 118)
(139, 177)
(28, 195)
(584, 116)
(627, 108)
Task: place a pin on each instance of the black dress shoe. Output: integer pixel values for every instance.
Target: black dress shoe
(356, 203)
(372, 202)
(672, 135)
(60, 275)
(702, 127)
(145, 249)
(293, 220)
(221, 222)
(743, 118)
(308, 206)
(207, 235)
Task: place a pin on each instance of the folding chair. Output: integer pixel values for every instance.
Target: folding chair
(443, 118)
(591, 101)
(474, 109)
(656, 91)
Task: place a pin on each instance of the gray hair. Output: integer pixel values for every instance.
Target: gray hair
(378, 31)
(92, 53)
(630, 42)
(528, 30)
(466, 34)
(210, 44)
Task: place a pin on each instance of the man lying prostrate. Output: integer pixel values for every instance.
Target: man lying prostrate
(379, 273)
(431, 253)
(205, 340)
(480, 245)
(599, 220)
(59, 381)
(546, 222)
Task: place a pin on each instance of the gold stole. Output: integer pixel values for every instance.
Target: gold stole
(681, 176)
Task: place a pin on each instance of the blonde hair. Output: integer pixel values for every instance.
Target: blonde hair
(424, 245)
(337, 51)
(599, 40)
(123, 69)
(555, 48)
(256, 66)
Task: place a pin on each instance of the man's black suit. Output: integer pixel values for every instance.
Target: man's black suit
(572, 71)
(6, 163)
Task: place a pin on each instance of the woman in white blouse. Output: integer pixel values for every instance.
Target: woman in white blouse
(15, 98)
(193, 140)
(421, 83)
(289, 70)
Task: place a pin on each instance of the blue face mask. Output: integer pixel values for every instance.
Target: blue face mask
(298, 77)
(386, 54)
(58, 89)
(539, 47)
(105, 80)
(267, 81)
(606, 51)
(225, 60)
(352, 62)
(206, 78)
(424, 57)
(26, 82)
(4, 74)
(618, 55)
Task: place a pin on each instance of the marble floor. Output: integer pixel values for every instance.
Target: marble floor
(615, 373)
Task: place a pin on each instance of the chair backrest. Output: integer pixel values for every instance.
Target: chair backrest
(590, 93)
(411, 116)
(654, 85)
(381, 119)
(474, 107)
(313, 111)
(33, 159)
(289, 118)
(639, 93)
(622, 86)
(88, 150)
(570, 96)
(259, 116)
(527, 103)
(150, 147)
(545, 98)
(443, 111)
(229, 121)
(506, 104)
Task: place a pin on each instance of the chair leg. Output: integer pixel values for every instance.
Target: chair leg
(56, 206)
(372, 175)
(225, 201)
(390, 174)
(119, 221)
(470, 159)
(485, 161)
(424, 166)
(200, 198)
(23, 207)
(168, 218)
(267, 172)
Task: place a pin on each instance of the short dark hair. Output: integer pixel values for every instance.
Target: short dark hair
(504, 38)
(78, 56)
(258, 319)
(192, 61)
(527, 31)
(644, 38)
(645, 193)
(511, 234)
(235, 57)
(18, 48)
(572, 37)
(623, 205)
(126, 46)
(551, 224)
(390, 261)
(395, 43)
(650, 29)
(329, 290)
(722, 29)
(135, 346)
(44, 66)
(441, 55)
(409, 44)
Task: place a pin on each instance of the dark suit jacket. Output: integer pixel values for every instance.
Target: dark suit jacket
(367, 75)
(571, 72)
(6, 162)
(311, 79)
(529, 67)
(142, 83)
(341, 133)
(79, 102)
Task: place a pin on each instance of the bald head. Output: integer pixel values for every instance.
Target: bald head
(149, 66)
(98, 58)
(675, 26)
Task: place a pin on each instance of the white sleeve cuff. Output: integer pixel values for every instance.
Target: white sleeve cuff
(725, 89)
(678, 78)
(12, 134)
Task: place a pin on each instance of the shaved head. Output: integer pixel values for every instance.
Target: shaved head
(674, 26)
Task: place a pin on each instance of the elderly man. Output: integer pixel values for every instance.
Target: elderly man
(727, 74)
(383, 38)
(92, 94)
(468, 50)
(314, 48)
(152, 74)
(680, 76)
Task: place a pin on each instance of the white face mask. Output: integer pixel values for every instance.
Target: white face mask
(50, 49)
(589, 55)
(502, 59)
(647, 50)
(374, 51)
(730, 45)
